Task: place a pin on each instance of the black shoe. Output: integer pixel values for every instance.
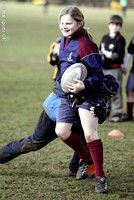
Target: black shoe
(116, 118)
(125, 117)
(83, 169)
(101, 184)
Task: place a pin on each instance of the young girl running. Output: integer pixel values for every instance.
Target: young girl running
(77, 46)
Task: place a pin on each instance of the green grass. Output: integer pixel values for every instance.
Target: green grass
(25, 81)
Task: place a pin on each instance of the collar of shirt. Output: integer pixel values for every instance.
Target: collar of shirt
(66, 41)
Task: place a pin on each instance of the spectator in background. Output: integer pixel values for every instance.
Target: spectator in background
(112, 49)
(45, 4)
(124, 5)
(53, 57)
(130, 80)
(114, 4)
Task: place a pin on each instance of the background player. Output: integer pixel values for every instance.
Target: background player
(130, 80)
(112, 49)
(53, 58)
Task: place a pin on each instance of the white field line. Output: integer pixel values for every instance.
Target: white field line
(25, 28)
(18, 60)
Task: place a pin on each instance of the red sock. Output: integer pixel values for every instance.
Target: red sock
(96, 151)
(73, 141)
(130, 110)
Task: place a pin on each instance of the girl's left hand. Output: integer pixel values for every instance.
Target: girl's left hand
(76, 87)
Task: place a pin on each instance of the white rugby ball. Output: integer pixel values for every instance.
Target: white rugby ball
(75, 71)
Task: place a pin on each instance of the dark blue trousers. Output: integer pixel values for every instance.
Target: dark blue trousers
(43, 134)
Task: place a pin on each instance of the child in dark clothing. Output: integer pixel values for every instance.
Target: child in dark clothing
(112, 49)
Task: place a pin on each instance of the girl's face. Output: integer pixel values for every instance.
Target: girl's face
(68, 25)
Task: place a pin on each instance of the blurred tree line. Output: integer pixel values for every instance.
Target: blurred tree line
(93, 3)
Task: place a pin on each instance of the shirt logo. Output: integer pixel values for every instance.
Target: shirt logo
(70, 57)
(85, 103)
(111, 46)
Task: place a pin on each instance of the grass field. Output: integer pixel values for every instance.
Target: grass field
(25, 81)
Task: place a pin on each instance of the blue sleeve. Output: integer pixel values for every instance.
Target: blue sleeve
(51, 105)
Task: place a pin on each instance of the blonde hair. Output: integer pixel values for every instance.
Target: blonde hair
(76, 14)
